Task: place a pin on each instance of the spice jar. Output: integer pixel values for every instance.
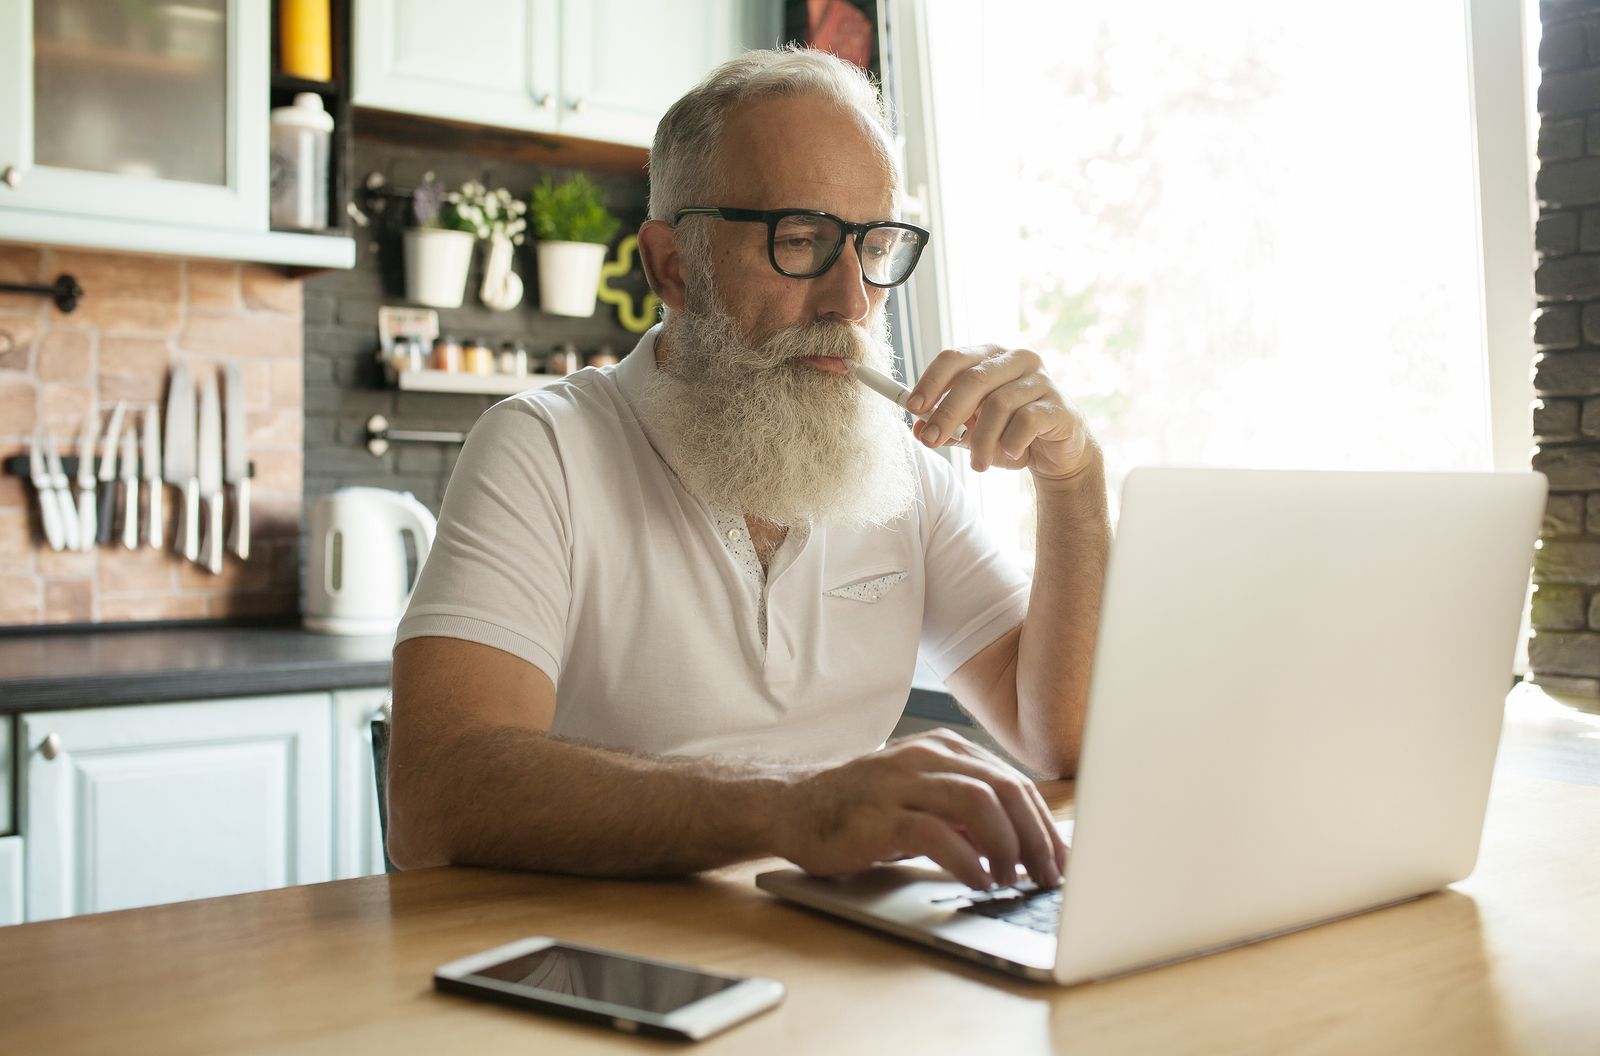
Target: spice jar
(563, 360)
(405, 356)
(477, 358)
(447, 354)
(601, 357)
(513, 359)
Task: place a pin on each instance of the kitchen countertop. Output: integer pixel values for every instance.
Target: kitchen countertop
(118, 665)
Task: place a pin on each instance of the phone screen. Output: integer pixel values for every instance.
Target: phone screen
(579, 972)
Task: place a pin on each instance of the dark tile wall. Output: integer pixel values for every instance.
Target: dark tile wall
(1565, 650)
(344, 383)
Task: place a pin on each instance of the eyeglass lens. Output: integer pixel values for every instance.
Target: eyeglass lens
(804, 245)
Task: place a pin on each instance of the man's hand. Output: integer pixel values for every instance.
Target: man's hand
(1015, 415)
(935, 794)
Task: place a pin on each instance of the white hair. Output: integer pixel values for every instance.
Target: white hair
(684, 165)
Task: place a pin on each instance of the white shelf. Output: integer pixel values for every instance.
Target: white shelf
(261, 247)
(482, 384)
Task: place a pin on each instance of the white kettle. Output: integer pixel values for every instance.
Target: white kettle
(357, 581)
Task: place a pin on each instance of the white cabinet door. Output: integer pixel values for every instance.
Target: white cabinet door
(154, 113)
(357, 835)
(625, 61)
(493, 62)
(134, 806)
(10, 880)
(598, 69)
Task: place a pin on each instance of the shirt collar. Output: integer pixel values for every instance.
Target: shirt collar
(636, 374)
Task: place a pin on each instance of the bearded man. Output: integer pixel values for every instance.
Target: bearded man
(674, 606)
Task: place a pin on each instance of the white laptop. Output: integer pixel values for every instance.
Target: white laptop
(1297, 695)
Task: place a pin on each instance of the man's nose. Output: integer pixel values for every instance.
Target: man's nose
(841, 293)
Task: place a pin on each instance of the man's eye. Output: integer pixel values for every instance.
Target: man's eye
(797, 242)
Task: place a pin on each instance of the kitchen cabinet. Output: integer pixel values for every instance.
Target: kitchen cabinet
(143, 127)
(10, 880)
(594, 69)
(358, 838)
(138, 805)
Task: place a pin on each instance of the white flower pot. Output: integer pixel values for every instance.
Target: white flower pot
(436, 266)
(569, 277)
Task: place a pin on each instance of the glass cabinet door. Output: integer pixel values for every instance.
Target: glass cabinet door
(136, 109)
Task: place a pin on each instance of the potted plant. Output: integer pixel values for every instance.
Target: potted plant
(438, 248)
(498, 219)
(573, 226)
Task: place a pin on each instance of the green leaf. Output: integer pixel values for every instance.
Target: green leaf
(573, 211)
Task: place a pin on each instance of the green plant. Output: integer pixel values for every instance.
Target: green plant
(573, 211)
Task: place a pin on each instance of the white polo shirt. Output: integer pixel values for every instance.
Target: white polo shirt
(566, 539)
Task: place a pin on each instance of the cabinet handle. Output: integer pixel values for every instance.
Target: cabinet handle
(547, 101)
(579, 106)
(13, 176)
(51, 746)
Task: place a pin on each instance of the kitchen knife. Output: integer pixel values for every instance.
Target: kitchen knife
(87, 522)
(236, 465)
(49, 512)
(178, 452)
(152, 470)
(130, 489)
(108, 472)
(209, 463)
(58, 488)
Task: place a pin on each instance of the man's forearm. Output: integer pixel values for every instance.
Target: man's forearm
(514, 798)
(1056, 648)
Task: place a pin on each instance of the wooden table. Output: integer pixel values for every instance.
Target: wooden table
(1507, 961)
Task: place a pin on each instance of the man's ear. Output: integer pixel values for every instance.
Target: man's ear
(663, 262)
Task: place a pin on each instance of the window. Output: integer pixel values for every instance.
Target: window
(1243, 233)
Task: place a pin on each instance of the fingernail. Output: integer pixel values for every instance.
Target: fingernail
(930, 435)
(916, 404)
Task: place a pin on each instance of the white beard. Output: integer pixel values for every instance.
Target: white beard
(758, 432)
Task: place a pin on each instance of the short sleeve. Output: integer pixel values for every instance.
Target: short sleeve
(974, 593)
(499, 572)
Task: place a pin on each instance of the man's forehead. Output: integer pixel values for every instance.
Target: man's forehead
(804, 152)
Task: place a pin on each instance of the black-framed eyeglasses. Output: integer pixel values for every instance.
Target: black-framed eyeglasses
(804, 243)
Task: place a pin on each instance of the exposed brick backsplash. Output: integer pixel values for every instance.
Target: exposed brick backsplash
(138, 316)
(1565, 650)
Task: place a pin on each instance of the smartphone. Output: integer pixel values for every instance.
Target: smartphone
(635, 995)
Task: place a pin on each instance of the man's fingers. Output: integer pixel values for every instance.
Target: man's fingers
(1041, 848)
(923, 833)
(973, 805)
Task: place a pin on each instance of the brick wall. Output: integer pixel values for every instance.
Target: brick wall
(139, 315)
(344, 383)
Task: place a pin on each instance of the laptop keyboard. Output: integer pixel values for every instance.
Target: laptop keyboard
(1029, 908)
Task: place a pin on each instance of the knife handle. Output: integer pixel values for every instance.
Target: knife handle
(214, 534)
(50, 514)
(130, 513)
(108, 511)
(191, 519)
(87, 521)
(240, 540)
(157, 527)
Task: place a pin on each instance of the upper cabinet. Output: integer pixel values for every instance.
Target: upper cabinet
(594, 69)
(142, 127)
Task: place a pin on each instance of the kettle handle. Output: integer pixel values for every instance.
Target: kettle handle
(419, 521)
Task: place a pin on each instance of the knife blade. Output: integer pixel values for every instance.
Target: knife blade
(209, 470)
(152, 471)
(59, 492)
(49, 512)
(130, 489)
(87, 521)
(236, 466)
(108, 471)
(178, 467)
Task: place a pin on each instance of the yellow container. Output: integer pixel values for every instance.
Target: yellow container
(305, 39)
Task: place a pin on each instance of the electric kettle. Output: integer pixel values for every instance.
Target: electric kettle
(357, 578)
